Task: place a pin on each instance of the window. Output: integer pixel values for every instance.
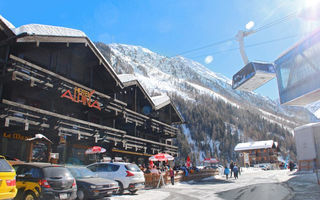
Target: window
(57, 172)
(133, 167)
(115, 168)
(4, 166)
(102, 168)
(93, 168)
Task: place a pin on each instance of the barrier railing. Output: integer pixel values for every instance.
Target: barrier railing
(152, 179)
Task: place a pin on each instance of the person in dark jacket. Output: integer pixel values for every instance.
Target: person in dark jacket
(231, 168)
(291, 166)
(171, 173)
(235, 171)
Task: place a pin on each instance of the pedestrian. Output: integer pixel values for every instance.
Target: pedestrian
(231, 168)
(171, 173)
(239, 170)
(235, 171)
(291, 166)
(226, 171)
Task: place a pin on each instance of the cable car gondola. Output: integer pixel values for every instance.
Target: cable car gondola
(252, 76)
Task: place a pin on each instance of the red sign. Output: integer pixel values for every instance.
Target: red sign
(82, 95)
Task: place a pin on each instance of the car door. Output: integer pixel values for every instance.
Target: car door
(28, 179)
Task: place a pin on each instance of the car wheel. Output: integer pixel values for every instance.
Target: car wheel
(133, 191)
(121, 189)
(80, 195)
(29, 196)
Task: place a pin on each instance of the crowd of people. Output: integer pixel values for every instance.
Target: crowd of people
(234, 169)
(165, 168)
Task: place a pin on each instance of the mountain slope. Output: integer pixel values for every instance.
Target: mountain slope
(190, 83)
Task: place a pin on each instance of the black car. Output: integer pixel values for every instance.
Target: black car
(90, 186)
(44, 181)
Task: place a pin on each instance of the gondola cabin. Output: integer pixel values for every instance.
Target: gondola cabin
(298, 72)
(252, 76)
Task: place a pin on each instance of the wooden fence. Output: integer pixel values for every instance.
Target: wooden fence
(152, 179)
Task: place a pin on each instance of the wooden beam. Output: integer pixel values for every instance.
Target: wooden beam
(149, 141)
(56, 39)
(60, 116)
(15, 58)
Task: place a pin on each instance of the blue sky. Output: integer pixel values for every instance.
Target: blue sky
(169, 27)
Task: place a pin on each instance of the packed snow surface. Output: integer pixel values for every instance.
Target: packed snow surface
(253, 182)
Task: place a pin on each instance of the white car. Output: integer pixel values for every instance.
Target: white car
(128, 175)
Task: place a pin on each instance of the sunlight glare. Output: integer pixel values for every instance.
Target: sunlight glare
(249, 25)
(208, 59)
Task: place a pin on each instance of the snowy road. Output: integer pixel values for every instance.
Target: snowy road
(252, 184)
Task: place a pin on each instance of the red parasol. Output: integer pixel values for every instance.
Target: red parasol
(95, 149)
(161, 157)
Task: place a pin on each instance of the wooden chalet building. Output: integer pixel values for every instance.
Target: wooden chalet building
(55, 82)
(258, 152)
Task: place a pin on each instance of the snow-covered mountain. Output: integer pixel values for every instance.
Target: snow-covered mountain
(189, 79)
(160, 74)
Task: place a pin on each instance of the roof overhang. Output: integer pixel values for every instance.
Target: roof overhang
(53, 34)
(6, 27)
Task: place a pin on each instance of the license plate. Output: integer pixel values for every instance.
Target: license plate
(63, 196)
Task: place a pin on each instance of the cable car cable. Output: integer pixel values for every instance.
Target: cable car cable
(263, 27)
(248, 46)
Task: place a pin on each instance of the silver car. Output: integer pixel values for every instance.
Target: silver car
(128, 175)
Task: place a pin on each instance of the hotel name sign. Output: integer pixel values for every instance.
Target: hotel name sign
(82, 96)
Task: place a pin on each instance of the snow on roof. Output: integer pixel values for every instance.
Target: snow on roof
(156, 101)
(6, 22)
(161, 100)
(254, 145)
(127, 77)
(47, 30)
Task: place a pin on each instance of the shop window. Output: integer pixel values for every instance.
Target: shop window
(40, 152)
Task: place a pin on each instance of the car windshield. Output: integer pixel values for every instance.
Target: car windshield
(81, 172)
(5, 166)
(133, 167)
(56, 172)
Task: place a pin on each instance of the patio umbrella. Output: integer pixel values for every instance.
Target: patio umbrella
(95, 149)
(161, 157)
(210, 160)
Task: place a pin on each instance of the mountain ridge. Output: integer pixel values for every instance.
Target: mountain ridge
(188, 82)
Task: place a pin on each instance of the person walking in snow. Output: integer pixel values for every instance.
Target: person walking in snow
(171, 173)
(226, 171)
(231, 168)
(235, 171)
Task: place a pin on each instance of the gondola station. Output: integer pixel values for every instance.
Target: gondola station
(55, 83)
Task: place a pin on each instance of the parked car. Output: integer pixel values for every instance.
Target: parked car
(8, 188)
(44, 181)
(128, 176)
(265, 167)
(90, 186)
